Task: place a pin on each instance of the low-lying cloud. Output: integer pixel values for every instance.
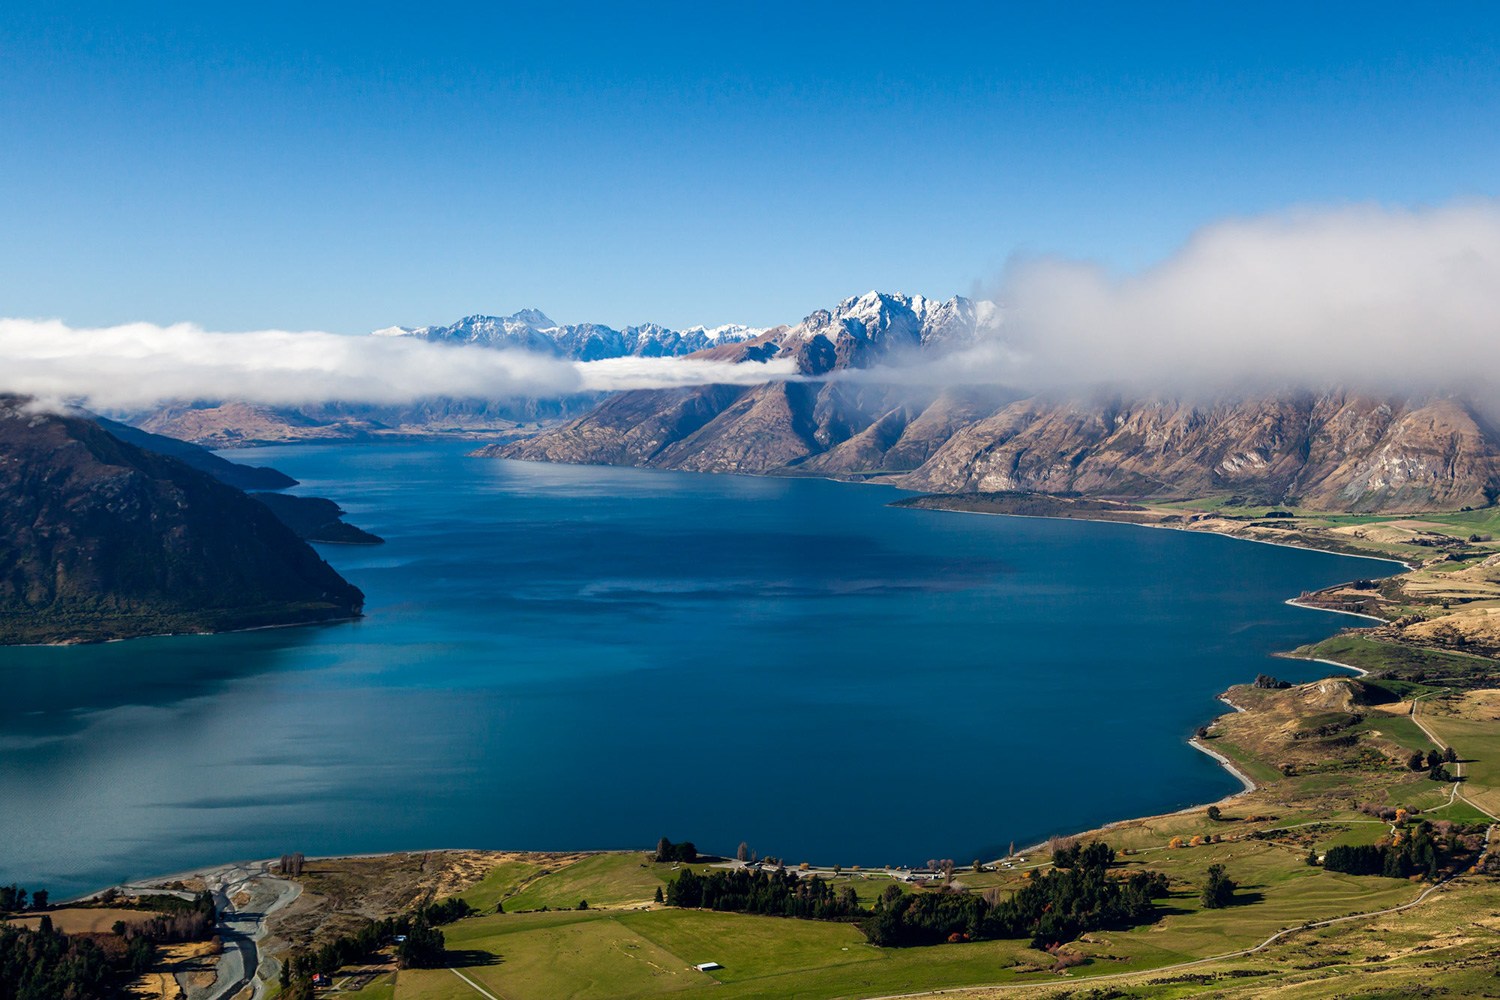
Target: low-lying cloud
(1364, 296)
(141, 365)
(671, 373)
(1360, 296)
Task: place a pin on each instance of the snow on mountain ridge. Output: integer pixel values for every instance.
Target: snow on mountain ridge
(534, 330)
(855, 332)
(866, 329)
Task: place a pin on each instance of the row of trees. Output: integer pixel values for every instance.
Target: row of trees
(777, 894)
(1079, 895)
(1419, 762)
(13, 899)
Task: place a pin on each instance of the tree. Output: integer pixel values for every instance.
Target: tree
(1439, 773)
(140, 953)
(39, 899)
(1218, 891)
(583, 904)
(659, 898)
(1312, 858)
(1433, 759)
(1214, 813)
(1415, 762)
(684, 852)
(1450, 756)
(742, 853)
(423, 948)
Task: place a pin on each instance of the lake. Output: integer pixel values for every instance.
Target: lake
(559, 657)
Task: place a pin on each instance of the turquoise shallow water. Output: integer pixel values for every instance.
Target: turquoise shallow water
(564, 657)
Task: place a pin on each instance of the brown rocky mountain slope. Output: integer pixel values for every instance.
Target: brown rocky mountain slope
(100, 539)
(1332, 450)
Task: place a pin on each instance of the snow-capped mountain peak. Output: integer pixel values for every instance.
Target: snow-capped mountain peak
(859, 331)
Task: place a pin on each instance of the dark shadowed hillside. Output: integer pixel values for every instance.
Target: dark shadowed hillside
(101, 539)
(245, 477)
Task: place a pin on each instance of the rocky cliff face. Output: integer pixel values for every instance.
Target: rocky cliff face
(100, 539)
(1331, 451)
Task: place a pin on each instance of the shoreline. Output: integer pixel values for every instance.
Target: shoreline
(1406, 566)
(1226, 764)
(63, 643)
(1334, 611)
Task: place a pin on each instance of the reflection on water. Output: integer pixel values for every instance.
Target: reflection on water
(559, 657)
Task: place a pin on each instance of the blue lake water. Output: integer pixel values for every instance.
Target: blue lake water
(564, 657)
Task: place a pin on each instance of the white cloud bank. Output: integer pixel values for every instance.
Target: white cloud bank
(671, 373)
(140, 365)
(1363, 296)
(1359, 296)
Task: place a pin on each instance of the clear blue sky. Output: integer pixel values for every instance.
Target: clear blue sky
(268, 165)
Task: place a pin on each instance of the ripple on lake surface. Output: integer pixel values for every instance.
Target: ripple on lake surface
(562, 657)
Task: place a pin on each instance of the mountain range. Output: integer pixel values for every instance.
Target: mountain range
(859, 331)
(1330, 449)
(849, 414)
(532, 330)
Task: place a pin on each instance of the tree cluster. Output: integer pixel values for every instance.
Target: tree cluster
(45, 964)
(292, 864)
(193, 919)
(1268, 682)
(1422, 851)
(684, 852)
(423, 948)
(777, 894)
